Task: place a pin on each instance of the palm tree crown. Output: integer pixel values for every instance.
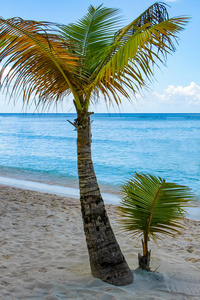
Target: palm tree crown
(92, 57)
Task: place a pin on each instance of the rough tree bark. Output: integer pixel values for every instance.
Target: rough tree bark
(144, 261)
(106, 260)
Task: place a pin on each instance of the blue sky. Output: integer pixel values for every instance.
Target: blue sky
(176, 88)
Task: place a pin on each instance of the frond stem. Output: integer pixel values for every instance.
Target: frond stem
(146, 233)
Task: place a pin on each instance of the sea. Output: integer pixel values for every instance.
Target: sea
(39, 150)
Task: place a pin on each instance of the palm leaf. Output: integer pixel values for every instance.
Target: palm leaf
(90, 38)
(137, 48)
(92, 35)
(40, 64)
(152, 206)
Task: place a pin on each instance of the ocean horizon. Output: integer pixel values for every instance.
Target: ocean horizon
(41, 147)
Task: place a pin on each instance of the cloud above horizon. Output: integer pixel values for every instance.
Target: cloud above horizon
(188, 94)
(183, 99)
(173, 99)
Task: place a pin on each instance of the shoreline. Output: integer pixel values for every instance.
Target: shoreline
(65, 191)
(44, 255)
(193, 212)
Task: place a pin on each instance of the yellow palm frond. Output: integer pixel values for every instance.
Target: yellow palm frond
(40, 65)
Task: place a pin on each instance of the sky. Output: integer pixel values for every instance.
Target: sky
(175, 88)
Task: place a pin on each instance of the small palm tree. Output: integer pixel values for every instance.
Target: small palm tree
(91, 58)
(150, 207)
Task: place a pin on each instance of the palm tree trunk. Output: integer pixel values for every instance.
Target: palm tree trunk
(144, 261)
(106, 260)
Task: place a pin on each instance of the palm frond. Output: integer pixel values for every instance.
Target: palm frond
(40, 65)
(91, 36)
(152, 206)
(138, 47)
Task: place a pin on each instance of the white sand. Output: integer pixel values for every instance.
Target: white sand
(44, 256)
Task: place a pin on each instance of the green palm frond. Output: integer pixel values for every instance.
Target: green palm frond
(137, 48)
(151, 206)
(90, 39)
(92, 35)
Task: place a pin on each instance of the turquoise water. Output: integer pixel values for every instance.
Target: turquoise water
(42, 147)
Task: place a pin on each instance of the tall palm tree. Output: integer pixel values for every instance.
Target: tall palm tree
(88, 59)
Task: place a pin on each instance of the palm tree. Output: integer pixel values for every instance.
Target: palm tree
(92, 58)
(150, 207)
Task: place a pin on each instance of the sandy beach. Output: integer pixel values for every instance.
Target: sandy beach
(44, 256)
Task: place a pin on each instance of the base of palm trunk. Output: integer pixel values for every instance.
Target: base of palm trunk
(144, 261)
(106, 259)
(118, 274)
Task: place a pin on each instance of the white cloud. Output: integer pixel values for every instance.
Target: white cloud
(190, 93)
(173, 99)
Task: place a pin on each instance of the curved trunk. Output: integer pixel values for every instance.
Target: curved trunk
(106, 260)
